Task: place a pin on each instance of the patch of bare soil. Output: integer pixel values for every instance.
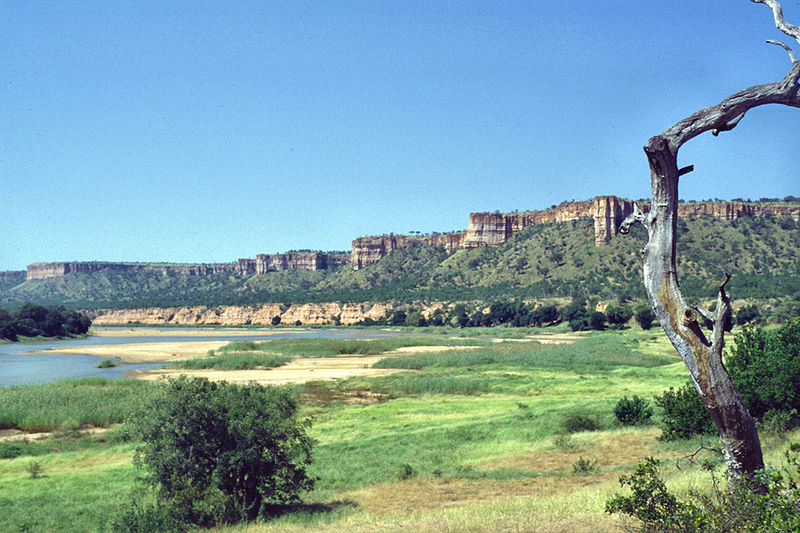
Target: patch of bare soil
(299, 370)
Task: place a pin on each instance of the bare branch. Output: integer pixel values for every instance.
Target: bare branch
(780, 22)
(705, 313)
(685, 170)
(785, 47)
(729, 126)
(726, 115)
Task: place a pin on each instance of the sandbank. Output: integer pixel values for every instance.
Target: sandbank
(115, 331)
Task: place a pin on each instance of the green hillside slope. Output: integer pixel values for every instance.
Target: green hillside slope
(546, 260)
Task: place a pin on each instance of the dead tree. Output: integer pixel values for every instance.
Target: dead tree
(702, 353)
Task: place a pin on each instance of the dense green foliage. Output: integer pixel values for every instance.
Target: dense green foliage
(33, 320)
(776, 509)
(633, 411)
(765, 368)
(683, 413)
(218, 453)
(540, 261)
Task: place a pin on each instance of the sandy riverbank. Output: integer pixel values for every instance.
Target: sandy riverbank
(193, 332)
(300, 370)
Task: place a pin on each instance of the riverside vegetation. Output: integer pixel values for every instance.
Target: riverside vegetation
(513, 435)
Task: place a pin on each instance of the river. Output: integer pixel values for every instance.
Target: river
(20, 367)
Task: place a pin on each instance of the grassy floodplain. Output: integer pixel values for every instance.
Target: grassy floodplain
(460, 440)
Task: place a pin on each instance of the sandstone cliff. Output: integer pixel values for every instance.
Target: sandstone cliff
(607, 212)
(325, 313)
(264, 263)
(50, 270)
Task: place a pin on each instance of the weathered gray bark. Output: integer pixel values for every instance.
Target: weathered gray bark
(702, 354)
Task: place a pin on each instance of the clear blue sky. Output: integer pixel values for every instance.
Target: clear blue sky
(208, 131)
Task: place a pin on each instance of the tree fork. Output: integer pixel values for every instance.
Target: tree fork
(703, 355)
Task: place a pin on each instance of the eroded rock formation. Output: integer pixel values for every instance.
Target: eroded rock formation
(51, 270)
(607, 212)
(324, 313)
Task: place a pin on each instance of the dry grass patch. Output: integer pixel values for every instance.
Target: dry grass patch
(609, 449)
(426, 494)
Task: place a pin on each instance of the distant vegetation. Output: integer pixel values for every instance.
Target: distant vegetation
(32, 320)
(554, 260)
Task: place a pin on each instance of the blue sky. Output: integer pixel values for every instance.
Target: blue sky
(208, 131)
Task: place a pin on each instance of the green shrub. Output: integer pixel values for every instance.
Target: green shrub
(217, 452)
(576, 422)
(684, 414)
(644, 316)
(107, 363)
(765, 368)
(633, 411)
(584, 466)
(768, 503)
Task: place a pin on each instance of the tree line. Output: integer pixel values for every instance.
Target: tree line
(33, 320)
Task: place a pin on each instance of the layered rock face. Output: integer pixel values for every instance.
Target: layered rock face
(264, 263)
(325, 313)
(734, 210)
(607, 212)
(51, 270)
(368, 250)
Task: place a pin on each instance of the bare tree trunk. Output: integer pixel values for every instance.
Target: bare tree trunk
(702, 354)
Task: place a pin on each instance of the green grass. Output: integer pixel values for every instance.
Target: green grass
(70, 404)
(235, 361)
(332, 347)
(599, 352)
(248, 355)
(457, 440)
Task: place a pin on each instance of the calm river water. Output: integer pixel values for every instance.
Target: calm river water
(20, 368)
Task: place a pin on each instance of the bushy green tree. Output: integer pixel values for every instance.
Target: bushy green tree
(684, 413)
(218, 452)
(765, 368)
(618, 315)
(644, 316)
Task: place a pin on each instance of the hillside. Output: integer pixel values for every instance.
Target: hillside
(555, 259)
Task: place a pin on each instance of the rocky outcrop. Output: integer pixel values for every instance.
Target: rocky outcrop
(264, 263)
(368, 250)
(734, 210)
(324, 313)
(51, 270)
(607, 212)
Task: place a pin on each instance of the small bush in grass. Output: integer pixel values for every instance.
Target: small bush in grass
(34, 469)
(633, 411)
(563, 441)
(407, 471)
(577, 422)
(584, 466)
